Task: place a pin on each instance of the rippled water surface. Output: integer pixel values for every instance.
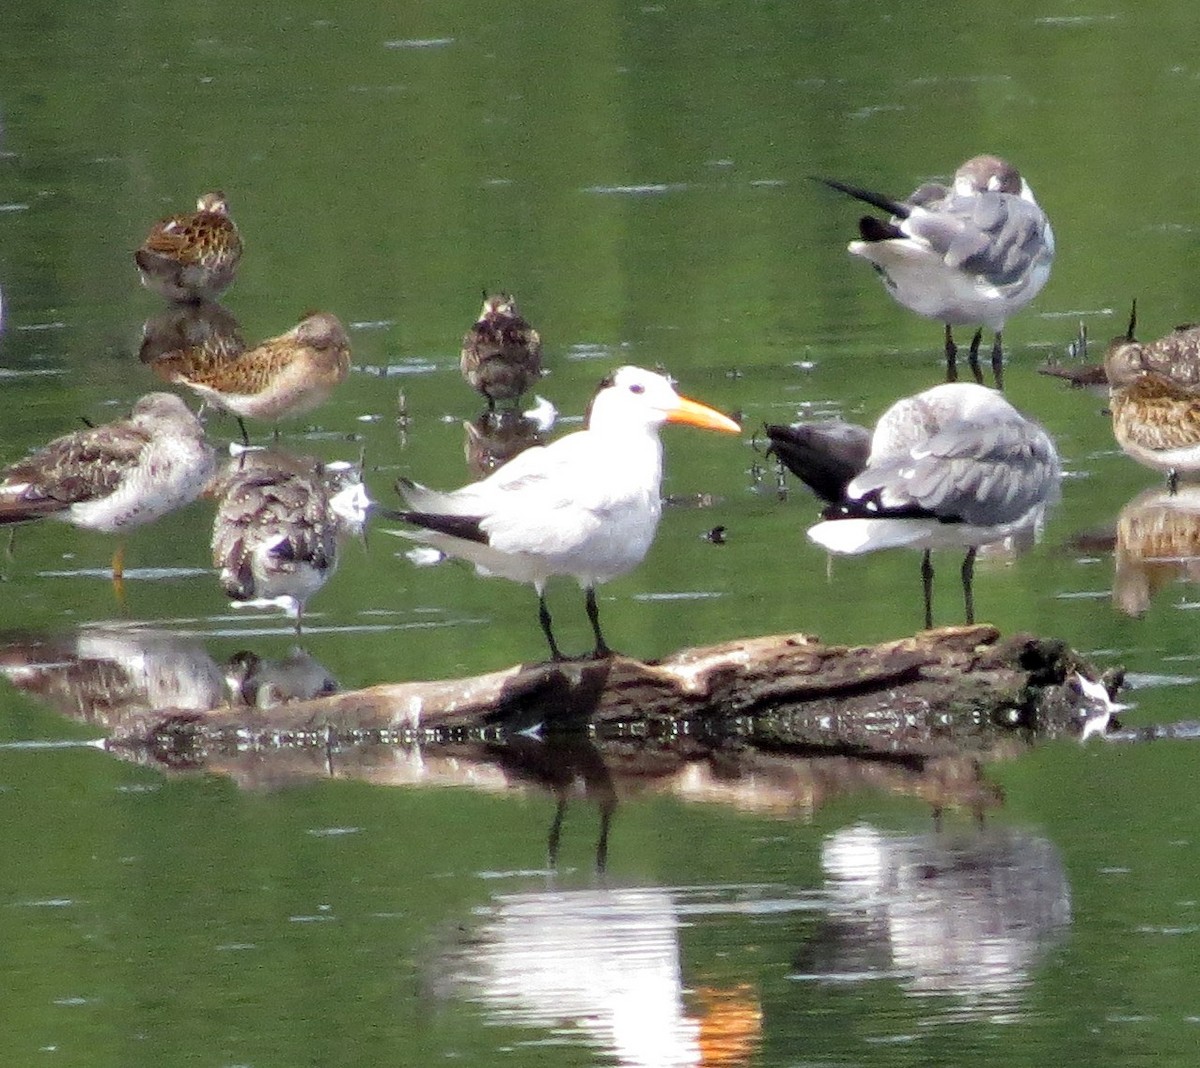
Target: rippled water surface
(639, 176)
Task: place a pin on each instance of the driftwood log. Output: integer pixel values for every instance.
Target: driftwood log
(936, 693)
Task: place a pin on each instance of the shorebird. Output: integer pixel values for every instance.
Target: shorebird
(115, 476)
(585, 506)
(1155, 399)
(973, 253)
(286, 376)
(501, 353)
(193, 256)
(954, 466)
(275, 534)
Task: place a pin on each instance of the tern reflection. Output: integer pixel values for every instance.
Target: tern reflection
(968, 915)
(1158, 543)
(602, 964)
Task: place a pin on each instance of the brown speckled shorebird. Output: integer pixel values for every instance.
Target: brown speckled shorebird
(192, 256)
(275, 536)
(1155, 405)
(116, 476)
(286, 376)
(501, 353)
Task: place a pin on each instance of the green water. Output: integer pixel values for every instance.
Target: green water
(638, 176)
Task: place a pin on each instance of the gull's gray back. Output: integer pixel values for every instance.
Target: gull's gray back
(962, 453)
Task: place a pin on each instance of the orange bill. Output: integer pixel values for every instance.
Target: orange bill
(695, 414)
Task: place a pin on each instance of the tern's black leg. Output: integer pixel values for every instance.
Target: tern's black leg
(973, 357)
(951, 356)
(968, 579)
(1172, 482)
(552, 839)
(998, 361)
(927, 586)
(544, 619)
(602, 649)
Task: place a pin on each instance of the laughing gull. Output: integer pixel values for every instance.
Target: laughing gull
(972, 253)
(585, 506)
(501, 354)
(954, 466)
(1154, 399)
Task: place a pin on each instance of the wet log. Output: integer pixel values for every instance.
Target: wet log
(937, 693)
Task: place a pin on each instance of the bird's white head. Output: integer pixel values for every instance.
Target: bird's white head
(632, 396)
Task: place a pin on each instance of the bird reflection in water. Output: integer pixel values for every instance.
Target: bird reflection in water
(493, 438)
(604, 965)
(966, 915)
(207, 329)
(113, 675)
(1158, 542)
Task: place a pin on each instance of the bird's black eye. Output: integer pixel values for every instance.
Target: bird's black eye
(637, 387)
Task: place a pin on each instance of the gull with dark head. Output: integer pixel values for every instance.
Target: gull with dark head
(501, 354)
(192, 256)
(954, 466)
(115, 476)
(585, 506)
(970, 254)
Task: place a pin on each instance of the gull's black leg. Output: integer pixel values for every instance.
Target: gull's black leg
(602, 650)
(998, 361)
(242, 428)
(1172, 482)
(927, 586)
(544, 619)
(951, 356)
(968, 578)
(973, 357)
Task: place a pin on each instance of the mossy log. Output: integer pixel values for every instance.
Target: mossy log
(938, 693)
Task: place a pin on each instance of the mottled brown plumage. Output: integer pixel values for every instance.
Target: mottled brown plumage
(116, 476)
(275, 533)
(193, 256)
(1154, 397)
(501, 353)
(1158, 542)
(285, 376)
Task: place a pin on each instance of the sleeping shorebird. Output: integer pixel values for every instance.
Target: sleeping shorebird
(193, 256)
(115, 476)
(974, 253)
(585, 506)
(501, 353)
(956, 465)
(286, 376)
(275, 534)
(1155, 399)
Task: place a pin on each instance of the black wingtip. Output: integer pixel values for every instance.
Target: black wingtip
(867, 196)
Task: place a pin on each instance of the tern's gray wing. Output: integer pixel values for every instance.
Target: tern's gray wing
(981, 473)
(996, 235)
